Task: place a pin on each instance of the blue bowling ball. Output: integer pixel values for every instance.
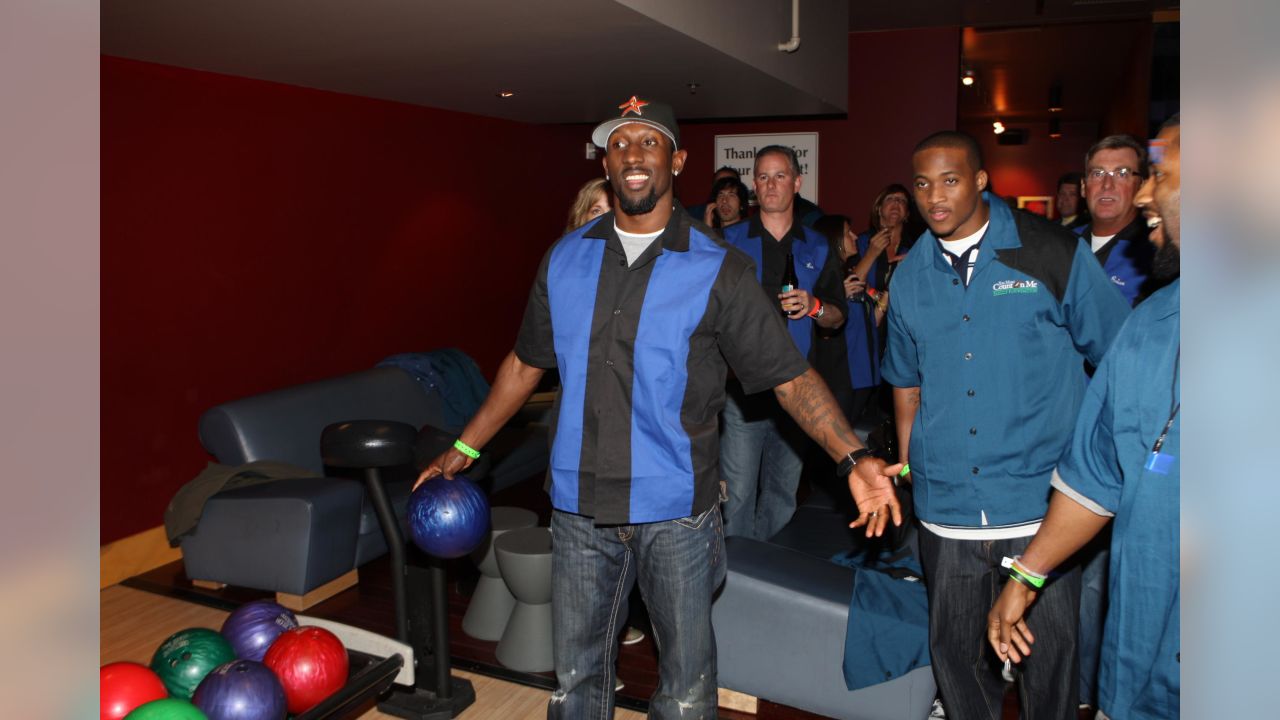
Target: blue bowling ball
(448, 518)
(241, 690)
(252, 627)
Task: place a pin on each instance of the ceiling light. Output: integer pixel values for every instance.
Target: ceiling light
(968, 78)
(997, 127)
(505, 94)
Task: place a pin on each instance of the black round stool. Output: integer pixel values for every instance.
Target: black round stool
(371, 445)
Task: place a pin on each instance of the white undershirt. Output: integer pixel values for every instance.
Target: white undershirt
(958, 247)
(633, 245)
(1097, 241)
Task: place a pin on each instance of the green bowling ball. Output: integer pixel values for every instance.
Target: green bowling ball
(186, 657)
(167, 709)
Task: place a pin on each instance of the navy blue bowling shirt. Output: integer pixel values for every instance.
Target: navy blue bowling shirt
(642, 352)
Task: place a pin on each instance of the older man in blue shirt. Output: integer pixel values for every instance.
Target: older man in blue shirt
(1123, 465)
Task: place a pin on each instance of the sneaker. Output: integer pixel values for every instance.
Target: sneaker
(632, 636)
(937, 711)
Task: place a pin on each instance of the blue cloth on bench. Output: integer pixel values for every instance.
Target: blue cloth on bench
(450, 374)
(888, 630)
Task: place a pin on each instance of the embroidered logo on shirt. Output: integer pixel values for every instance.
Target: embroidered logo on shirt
(808, 264)
(1115, 279)
(1015, 287)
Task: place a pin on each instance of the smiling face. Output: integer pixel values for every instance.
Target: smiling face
(1161, 195)
(640, 165)
(776, 183)
(948, 192)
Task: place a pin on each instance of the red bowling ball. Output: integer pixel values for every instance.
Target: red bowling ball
(124, 686)
(311, 664)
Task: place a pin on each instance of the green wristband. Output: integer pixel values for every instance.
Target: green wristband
(905, 471)
(1034, 583)
(466, 449)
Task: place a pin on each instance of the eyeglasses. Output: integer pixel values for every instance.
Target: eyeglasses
(1095, 175)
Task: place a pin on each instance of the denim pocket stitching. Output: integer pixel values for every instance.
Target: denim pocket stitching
(695, 523)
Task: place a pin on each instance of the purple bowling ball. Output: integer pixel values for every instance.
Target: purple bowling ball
(241, 690)
(254, 626)
(448, 518)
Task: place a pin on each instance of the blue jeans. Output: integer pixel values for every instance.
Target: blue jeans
(964, 579)
(679, 564)
(1094, 560)
(761, 457)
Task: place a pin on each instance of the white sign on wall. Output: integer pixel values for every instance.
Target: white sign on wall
(739, 152)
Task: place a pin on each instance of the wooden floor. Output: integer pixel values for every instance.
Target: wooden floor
(134, 623)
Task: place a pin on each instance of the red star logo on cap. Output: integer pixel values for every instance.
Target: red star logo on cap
(632, 105)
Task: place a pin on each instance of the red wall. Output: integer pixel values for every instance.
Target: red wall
(1034, 168)
(902, 86)
(257, 235)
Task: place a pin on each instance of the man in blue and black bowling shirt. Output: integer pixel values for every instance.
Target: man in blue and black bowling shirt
(761, 449)
(640, 310)
(1123, 465)
(992, 314)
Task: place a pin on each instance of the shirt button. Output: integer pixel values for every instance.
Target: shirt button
(622, 263)
(955, 281)
(975, 471)
(973, 431)
(968, 356)
(970, 393)
(617, 312)
(965, 318)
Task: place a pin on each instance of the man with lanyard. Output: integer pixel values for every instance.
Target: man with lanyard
(640, 310)
(761, 449)
(1113, 171)
(992, 314)
(1123, 464)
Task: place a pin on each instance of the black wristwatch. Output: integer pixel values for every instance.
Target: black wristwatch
(846, 465)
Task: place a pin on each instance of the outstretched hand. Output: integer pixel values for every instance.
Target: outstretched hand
(448, 463)
(871, 484)
(1007, 629)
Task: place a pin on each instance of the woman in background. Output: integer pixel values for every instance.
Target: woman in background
(594, 199)
(848, 358)
(890, 236)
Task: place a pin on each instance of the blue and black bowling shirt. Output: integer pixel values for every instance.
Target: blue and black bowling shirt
(642, 353)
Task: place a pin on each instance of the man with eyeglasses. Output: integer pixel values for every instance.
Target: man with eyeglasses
(1113, 171)
(1122, 470)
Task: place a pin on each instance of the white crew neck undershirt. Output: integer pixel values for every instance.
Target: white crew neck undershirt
(959, 246)
(632, 244)
(1097, 241)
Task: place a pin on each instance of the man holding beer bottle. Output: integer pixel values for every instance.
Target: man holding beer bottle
(761, 449)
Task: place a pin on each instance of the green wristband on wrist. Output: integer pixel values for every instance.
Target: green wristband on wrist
(466, 449)
(905, 471)
(1035, 583)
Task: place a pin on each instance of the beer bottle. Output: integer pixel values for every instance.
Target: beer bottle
(789, 280)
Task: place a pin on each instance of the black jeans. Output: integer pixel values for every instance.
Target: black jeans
(964, 579)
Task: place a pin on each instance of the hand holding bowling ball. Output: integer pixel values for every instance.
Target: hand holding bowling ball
(448, 518)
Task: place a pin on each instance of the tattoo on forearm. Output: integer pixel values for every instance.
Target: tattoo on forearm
(811, 404)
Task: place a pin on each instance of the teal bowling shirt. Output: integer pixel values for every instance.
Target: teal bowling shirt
(1109, 469)
(999, 364)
